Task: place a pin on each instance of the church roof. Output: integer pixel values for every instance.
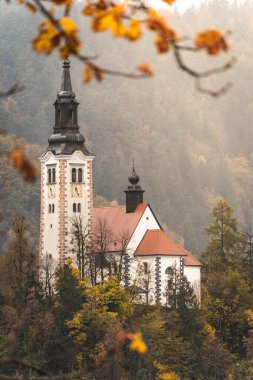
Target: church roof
(157, 242)
(191, 260)
(118, 220)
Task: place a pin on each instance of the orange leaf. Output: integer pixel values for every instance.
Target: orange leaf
(162, 44)
(145, 68)
(87, 74)
(170, 2)
(67, 3)
(212, 41)
(21, 163)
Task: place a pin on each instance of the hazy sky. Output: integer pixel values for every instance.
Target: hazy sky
(182, 4)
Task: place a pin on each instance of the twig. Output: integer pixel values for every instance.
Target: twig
(13, 90)
(204, 74)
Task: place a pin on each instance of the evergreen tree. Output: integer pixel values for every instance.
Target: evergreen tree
(70, 293)
(223, 248)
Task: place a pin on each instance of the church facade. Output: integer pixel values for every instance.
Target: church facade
(148, 254)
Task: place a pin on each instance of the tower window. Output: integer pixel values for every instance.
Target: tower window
(49, 176)
(49, 209)
(59, 113)
(53, 208)
(74, 207)
(53, 175)
(79, 207)
(80, 175)
(73, 175)
(70, 113)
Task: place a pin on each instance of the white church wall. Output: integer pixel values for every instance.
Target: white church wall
(55, 226)
(49, 196)
(147, 222)
(138, 276)
(166, 262)
(193, 275)
(78, 160)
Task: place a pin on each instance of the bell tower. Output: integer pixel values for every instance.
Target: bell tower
(66, 177)
(134, 192)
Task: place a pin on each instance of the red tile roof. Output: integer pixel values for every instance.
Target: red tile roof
(118, 221)
(190, 260)
(154, 242)
(157, 242)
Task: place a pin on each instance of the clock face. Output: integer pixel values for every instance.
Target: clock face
(51, 192)
(76, 191)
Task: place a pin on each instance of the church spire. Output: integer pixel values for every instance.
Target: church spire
(66, 137)
(134, 192)
(66, 85)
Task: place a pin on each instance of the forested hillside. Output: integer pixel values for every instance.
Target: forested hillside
(189, 149)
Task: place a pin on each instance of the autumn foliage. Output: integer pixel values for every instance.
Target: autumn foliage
(126, 20)
(22, 164)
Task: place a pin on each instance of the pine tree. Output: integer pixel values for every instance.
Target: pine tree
(223, 249)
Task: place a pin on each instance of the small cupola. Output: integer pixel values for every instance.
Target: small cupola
(134, 192)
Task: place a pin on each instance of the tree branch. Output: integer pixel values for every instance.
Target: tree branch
(204, 74)
(13, 90)
(83, 58)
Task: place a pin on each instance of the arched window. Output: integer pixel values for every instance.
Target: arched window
(52, 207)
(74, 207)
(80, 175)
(49, 208)
(59, 113)
(70, 113)
(79, 207)
(73, 175)
(49, 176)
(53, 175)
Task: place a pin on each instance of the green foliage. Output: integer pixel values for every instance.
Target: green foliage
(223, 247)
(229, 294)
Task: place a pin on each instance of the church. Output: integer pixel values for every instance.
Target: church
(150, 255)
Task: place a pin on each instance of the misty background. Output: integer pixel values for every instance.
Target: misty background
(189, 149)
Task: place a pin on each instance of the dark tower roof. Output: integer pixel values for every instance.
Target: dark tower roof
(66, 137)
(134, 192)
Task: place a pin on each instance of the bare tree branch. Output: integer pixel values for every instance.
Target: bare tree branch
(204, 74)
(13, 90)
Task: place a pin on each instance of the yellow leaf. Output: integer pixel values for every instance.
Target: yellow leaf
(68, 25)
(134, 31)
(137, 344)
